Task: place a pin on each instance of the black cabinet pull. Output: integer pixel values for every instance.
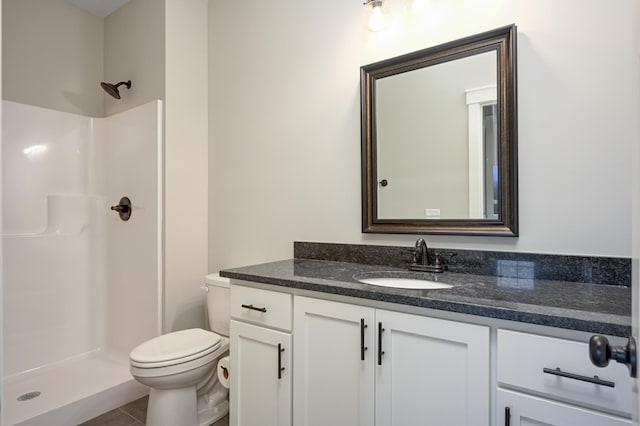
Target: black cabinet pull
(380, 351)
(507, 416)
(595, 379)
(253, 308)
(280, 367)
(362, 346)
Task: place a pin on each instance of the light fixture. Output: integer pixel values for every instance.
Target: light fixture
(377, 20)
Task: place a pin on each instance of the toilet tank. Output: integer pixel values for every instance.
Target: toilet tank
(218, 303)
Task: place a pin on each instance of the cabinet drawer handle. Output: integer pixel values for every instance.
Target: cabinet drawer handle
(280, 367)
(253, 308)
(507, 416)
(595, 379)
(380, 351)
(362, 346)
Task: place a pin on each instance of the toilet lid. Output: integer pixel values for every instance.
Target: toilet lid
(175, 346)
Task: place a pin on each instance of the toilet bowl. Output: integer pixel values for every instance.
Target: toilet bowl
(180, 367)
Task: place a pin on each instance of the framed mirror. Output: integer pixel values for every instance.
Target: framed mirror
(439, 139)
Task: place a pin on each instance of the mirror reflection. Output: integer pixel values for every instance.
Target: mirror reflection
(436, 141)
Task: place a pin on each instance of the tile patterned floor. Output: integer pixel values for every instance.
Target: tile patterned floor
(132, 414)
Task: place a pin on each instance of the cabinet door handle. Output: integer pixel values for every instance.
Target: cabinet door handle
(280, 367)
(362, 346)
(507, 416)
(380, 351)
(594, 379)
(253, 308)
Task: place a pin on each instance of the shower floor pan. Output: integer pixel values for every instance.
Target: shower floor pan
(71, 391)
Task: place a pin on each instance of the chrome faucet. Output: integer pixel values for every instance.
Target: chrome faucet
(423, 261)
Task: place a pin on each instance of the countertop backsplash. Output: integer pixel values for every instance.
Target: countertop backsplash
(583, 269)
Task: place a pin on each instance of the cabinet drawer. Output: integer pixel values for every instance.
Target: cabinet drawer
(263, 307)
(522, 359)
(531, 410)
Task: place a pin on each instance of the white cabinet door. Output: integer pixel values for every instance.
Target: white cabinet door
(432, 372)
(526, 410)
(333, 384)
(260, 369)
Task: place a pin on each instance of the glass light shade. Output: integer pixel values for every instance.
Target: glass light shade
(377, 20)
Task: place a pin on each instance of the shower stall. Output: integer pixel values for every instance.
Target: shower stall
(81, 287)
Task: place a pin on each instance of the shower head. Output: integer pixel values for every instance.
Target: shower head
(112, 89)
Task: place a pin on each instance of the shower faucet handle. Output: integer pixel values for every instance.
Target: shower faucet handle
(123, 208)
(120, 208)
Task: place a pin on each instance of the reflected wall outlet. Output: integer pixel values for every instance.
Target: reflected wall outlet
(432, 212)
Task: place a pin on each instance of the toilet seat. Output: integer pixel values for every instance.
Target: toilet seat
(175, 348)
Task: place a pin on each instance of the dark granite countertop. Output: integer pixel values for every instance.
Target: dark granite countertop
(594, 308)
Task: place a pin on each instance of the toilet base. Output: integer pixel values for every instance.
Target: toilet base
(210, 415)
(170, 407)
(213, 402)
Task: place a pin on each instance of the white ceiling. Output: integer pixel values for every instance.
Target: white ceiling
(99, 7)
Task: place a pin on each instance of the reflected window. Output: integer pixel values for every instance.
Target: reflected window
(515, 274)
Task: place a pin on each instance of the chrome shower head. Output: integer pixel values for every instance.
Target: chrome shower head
(112, 89)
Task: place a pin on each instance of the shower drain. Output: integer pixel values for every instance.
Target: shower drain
(29, 395)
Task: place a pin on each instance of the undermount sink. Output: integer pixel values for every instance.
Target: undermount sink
(402, 282)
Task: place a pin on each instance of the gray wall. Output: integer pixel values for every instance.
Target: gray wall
(56, 54)
(134, 50)
(284, 158)
(53, 56)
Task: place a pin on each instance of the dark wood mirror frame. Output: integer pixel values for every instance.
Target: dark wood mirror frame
(503, 42)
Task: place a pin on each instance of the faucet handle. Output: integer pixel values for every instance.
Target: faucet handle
(414, 252)
(444, 258)
(447, 254)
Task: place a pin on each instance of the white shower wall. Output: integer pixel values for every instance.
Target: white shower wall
(133, 166)
(48, 254)
(78, 281)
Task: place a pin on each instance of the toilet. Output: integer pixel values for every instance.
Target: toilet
(180, 367)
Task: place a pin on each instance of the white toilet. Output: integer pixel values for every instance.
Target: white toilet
(180, 367)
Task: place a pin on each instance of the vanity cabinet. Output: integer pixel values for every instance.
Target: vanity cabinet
(545, 380)
(353, 364)
(304, 361)
(260, 364)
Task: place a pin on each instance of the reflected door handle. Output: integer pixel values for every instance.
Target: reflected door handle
(600, 352)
